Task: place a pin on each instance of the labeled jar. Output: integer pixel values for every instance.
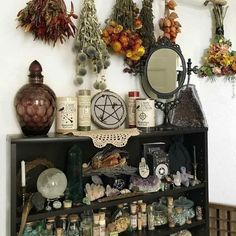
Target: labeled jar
(145, 114)
(132, 96)
(84, 109)
(66, 116)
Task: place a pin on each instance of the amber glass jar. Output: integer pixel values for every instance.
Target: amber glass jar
(35, 104)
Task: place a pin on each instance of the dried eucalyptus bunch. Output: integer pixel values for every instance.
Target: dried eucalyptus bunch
(89, 45)
(47, 20)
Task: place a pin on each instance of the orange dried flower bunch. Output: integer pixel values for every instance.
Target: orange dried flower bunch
(124, 41)
(169, 25)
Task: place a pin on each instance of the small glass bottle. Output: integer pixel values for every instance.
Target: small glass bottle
(73, 227)
(143, 207)
(59, 232)
(63, 223)
(151, 225)
(140, 221)
(49, 229)
(96, 225)
(102, 223)
(86, 224)
(28, 229)
(51, 220)
(133, 217)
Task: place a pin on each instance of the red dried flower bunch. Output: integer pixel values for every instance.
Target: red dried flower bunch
(47, 20)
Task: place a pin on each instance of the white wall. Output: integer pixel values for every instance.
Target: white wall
(18, 50)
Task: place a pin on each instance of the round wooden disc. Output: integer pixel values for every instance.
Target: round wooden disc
(108, 110)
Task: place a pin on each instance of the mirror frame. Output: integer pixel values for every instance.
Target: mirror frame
(163, 43)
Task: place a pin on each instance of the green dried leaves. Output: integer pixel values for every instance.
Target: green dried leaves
(88, 45)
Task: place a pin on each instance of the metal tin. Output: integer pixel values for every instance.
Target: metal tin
(66, 116)
(145, 114)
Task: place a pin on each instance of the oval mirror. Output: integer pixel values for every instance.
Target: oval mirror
(164, 70)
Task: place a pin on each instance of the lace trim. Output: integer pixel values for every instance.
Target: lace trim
(116, 137)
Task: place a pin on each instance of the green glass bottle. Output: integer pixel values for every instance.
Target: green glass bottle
(74, 175)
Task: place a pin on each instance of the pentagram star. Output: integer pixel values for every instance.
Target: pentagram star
(106, 112)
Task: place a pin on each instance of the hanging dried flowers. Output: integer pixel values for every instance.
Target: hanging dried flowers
(121, 33)
(47, 20)
(147, 30)
(220, 60)
(169, 25)
(89, 45)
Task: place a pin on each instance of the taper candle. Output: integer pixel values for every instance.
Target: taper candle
(23, 173)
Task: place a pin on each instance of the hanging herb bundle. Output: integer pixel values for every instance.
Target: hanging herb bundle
(169, 25)
(125, 13)
(89, 45)
(121, 33)
(147, 30)
(47, 20)
(220, 59)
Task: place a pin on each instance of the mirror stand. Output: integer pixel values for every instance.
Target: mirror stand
(166, 107)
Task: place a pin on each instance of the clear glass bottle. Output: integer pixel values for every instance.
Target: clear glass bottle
(49, 229)
(51, 220)
(28, 229)
(59, 232)
(96, 225)
(86, 224)
(63, 223)
(150, 216)
(143, 207)
(73, 226)
(102, 223)
(133, 217)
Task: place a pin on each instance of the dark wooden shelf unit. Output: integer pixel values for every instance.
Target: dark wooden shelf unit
(54, 147)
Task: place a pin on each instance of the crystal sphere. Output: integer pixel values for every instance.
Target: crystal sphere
(52, 183)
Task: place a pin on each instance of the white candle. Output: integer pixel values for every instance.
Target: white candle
(23, 173)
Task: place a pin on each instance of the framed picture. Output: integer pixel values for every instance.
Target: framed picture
(156, 158)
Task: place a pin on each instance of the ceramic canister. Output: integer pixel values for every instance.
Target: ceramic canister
(145, 114)
(66, 116)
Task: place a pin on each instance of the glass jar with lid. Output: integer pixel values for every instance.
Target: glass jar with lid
(86, 224)
(160, 214)
(73, 226)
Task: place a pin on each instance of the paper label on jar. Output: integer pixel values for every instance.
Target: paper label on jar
(145, 113)
(66, 117)
(132, 111)
(84, 110)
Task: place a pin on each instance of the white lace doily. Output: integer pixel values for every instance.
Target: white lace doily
(116, 137)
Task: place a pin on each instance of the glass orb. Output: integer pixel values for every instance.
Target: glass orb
(52, 183)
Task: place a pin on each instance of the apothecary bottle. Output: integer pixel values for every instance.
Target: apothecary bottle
(73, 226)
(28, 229)
(86, 224)
(35, 104)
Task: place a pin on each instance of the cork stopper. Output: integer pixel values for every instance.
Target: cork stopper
(133, 208)
(35, 75)
(143, 207)
(73, 218)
